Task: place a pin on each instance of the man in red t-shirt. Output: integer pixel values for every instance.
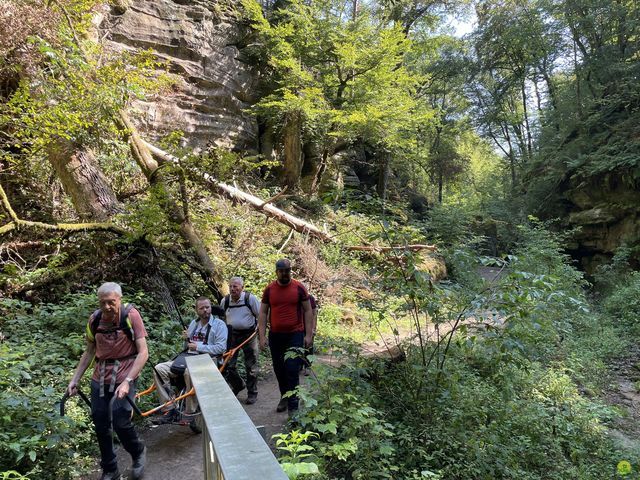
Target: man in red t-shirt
(120, 353)
(286, 302)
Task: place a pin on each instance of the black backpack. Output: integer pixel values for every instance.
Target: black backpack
(125, 324)
(179, 362)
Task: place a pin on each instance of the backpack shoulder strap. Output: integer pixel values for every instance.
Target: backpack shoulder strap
(206, 334)
(125, 322)
(92, 325)
(226, 300)
(247, 303)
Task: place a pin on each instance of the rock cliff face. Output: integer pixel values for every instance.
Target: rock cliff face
(607, 210)
(199, 39)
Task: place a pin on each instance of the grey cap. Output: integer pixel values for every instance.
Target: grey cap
(283, 264)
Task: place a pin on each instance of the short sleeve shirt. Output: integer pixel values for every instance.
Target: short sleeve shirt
(285, 304)
(116, 345)
(241, 315)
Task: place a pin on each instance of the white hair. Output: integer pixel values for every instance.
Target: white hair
(237, 279)
(110, 287)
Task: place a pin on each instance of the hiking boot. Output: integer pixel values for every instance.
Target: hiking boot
(237, 390)
(251, 398)
(163, 418)
(282, 405)
(137, 467)
(115, 475)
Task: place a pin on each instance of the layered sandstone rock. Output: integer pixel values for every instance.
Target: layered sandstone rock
(607, 212)
(199, 39)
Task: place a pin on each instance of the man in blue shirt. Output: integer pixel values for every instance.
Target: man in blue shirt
(205, 334)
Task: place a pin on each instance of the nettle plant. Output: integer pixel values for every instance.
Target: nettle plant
(294, 451)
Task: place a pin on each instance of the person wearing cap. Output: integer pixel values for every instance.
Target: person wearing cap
(285, 302)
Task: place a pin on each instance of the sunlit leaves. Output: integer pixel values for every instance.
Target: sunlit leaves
(345, 75)
(73, 99)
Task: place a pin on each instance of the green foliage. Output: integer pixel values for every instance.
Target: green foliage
(343, 78)
(43, 344)
(354, 438)
(499, 399)
(591, 125)
(76, 98)
(623, 305)
(218, 162)
(70, 91)
(42, 348)
(293, 451)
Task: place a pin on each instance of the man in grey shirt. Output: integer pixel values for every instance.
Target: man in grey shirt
(205, 334)
(241, 312)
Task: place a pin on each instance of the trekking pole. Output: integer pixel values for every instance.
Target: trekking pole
(131, 402)
(169, 302)
(66, 397)
(226, 356)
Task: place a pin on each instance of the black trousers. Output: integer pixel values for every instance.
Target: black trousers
(121, 425)
(251, 352)
(287, 370)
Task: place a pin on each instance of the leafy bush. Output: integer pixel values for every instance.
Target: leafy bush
(500, 398)
(623, 305)
(42, 348)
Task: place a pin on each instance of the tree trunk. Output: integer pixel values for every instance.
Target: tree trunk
(383, 176)
(551, 87)
(525, 114)
(174, 211)
(312, 160)
(84, 182)
(319, 172)
(292, 164)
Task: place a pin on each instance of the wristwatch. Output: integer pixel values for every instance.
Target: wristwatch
(129, 379)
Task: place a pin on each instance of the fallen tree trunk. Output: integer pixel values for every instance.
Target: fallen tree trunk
(16, 223)
(236, 194)
(373, 248)
(142, 153)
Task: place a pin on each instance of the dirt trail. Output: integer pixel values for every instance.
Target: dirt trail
(625, 395)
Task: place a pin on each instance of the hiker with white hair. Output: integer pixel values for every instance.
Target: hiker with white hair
(242, 309)
(116, 338)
